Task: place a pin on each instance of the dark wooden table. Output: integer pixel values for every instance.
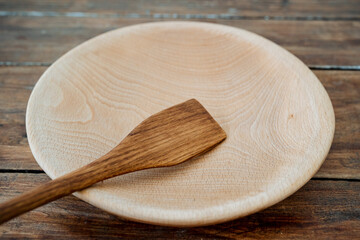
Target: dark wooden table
(323, 34)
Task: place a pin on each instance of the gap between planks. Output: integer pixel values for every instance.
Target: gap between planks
(224, 16)
(42, 172)
(312, 67)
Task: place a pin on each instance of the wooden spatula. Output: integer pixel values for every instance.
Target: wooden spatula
(167, 138)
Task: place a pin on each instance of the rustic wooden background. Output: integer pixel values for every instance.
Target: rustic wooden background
(323, 34)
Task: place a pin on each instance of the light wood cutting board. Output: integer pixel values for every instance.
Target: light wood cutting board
(277, 115)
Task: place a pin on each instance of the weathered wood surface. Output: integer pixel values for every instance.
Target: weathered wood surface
(43, 40)
(320, 210)
(343, 88)
(278, 9)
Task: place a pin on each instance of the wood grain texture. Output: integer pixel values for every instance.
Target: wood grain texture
(320, 210)
(164, 139)
(34, 39)
(344, 90)
(342, 86)
(278, 116)
(303, 9)
(17, 158)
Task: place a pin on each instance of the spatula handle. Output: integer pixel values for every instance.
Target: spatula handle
(41, 195)
(75, 181)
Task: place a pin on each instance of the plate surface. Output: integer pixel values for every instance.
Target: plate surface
(277, 115)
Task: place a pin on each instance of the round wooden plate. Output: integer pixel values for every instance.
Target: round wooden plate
(277, 115)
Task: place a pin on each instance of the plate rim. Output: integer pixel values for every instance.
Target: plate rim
(205, 216)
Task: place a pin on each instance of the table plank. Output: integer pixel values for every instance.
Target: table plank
(343, 87)
(339, 164)
(321, 209)
(34, 40)
(278, 9)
